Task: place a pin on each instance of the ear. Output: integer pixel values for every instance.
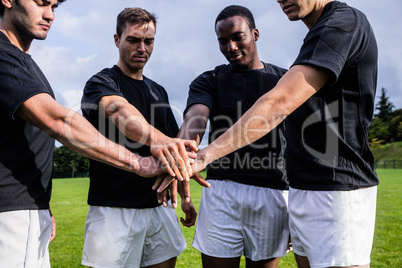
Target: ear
(256, 34)
(116, 40)
(7, 3)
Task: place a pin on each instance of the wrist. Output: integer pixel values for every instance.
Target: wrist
(134, 163)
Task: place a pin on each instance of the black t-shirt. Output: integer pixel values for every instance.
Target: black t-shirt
(327, 136)
(110, 186)
(228, 94)
(26, 158)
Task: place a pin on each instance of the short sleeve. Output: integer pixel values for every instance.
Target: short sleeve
(333, 40)
(20, 79)
(202, 90)
(102, 84)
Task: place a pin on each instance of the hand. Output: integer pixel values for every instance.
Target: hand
(149, 167)
(165, 183)
(190, 214)
(200, 162)
(165, 180)
(174, 155)
(53, 234)
(170, 184)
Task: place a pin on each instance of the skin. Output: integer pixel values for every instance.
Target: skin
(27, 20)
(237, 42)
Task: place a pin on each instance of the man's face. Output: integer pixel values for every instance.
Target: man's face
(33, 18)
(237, 42)
(297, 9)
(136, 44)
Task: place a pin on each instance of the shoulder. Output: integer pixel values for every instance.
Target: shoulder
(340, 16)
(152, 83)
(105, 74)
(107, 77)
(210, 75)
(7, 47)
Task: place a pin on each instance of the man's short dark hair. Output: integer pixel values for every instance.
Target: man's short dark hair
(135, 16)
(235, 10)
(2, 7)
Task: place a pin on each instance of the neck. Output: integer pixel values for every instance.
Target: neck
(311, 19)
(258, 64)
(15, 38)
(130, 72)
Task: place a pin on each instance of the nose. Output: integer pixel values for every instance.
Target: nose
(48, 14)
(232, 46)
(141, 47)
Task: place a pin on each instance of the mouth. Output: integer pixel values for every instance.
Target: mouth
(140, 58)
(234, 57)
(287, 8)
(45, 27)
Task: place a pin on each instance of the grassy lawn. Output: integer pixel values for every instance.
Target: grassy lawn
(69, 208)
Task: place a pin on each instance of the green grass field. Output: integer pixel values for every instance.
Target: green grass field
(69, 208)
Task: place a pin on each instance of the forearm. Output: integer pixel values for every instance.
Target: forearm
(293, 89)
(76, 133)
(170, 151)
(195, 122)
(129, 120)
(267, 113)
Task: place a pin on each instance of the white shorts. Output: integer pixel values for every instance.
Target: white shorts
(333, 228)
(237, 219)
(24, 238)
(121, 237)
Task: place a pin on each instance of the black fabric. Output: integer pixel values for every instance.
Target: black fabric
(110, 186)
(327, 136)
(26, 158)
(229, 94)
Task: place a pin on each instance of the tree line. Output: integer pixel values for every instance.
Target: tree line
(387, 123)
(385, 128)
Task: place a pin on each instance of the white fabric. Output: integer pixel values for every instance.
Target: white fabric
(333, 228)
(121, 237)
(24, 239)
(237, 219)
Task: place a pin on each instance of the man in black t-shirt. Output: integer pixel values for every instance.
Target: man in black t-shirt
(327, 97)
(231, 223)
(30, 120)
(126, 226)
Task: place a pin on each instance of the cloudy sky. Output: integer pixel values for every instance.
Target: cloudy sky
(81, 43)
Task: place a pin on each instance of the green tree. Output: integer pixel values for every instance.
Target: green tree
(384, 107)
(68, 162)
(379, 132)
(395, 125)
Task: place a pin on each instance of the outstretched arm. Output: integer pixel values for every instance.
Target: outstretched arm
(75, 132)
(292, 90)
(171, 152)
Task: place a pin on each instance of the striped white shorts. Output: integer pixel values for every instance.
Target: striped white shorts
(333, 228)
(128, 237)
(237, 219)
(24, 238)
